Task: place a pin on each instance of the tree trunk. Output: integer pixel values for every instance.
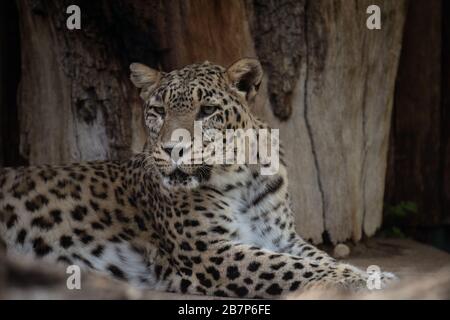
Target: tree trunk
(337, 136)
(328, 86)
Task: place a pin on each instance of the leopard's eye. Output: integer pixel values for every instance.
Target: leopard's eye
(159, 110)
(207, 110)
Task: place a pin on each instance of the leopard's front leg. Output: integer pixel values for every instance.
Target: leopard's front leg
(290, 242)
(240, 270)
(300, 248)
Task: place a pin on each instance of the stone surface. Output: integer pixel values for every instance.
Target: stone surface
(341, 251)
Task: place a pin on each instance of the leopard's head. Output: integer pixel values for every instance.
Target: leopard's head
(204, 98)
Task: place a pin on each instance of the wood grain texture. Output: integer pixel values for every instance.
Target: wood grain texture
(75, 98)
(198, 30)
(278, 29)
(337, 136)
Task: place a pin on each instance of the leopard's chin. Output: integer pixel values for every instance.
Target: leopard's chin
(178, 179)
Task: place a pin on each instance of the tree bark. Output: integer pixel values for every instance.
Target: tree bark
(337, 136)
(75, 100)
(195, 31)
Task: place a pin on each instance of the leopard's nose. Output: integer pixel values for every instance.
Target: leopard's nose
(168, 150)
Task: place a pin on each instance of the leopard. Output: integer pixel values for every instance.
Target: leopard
(199, 228)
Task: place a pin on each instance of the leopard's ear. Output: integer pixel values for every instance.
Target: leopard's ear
(145, 78)
(245, 75)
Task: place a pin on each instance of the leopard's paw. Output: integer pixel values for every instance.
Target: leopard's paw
(372, 279)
